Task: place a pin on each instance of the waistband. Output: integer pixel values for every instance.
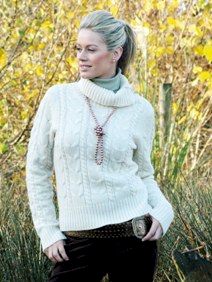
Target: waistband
(138, 226)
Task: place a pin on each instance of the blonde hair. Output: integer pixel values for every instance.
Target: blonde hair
(115, 33)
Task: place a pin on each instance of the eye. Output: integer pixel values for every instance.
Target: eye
(78, 49)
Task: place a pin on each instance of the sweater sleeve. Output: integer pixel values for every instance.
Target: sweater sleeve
(161, 208)
(39, 168)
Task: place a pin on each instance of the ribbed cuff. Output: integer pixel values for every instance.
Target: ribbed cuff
(50, 235)
(164, 214)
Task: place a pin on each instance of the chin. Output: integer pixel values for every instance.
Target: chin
(86, 75)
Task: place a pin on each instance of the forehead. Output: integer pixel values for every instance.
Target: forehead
(88, 37)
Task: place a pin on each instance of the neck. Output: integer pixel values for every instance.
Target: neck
(112, 83)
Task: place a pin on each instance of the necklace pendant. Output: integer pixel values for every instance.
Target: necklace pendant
(99, 130)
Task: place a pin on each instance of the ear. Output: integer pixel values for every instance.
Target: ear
(117, 53)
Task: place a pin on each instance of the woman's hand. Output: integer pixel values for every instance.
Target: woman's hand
(155, 232)
(56, 252)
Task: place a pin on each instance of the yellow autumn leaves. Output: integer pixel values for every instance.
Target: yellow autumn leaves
(37, 50)
(3, 58)
(204, 50)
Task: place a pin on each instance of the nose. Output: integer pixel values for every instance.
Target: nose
(81, 56)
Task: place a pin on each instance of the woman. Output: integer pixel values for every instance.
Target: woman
(97, 134)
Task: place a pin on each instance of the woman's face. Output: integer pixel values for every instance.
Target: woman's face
(92, 52)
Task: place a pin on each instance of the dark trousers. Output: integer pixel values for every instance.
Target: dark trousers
(123, 259)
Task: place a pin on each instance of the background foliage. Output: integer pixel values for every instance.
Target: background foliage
(174, 48)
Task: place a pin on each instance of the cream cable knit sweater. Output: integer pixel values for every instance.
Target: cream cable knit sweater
(63, 140)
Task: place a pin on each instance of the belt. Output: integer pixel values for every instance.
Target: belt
(138, 226)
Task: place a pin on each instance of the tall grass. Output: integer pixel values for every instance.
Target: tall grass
(191, 229)
(20, 253)
(21, 258)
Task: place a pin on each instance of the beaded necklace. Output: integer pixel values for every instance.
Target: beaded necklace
(98, 131)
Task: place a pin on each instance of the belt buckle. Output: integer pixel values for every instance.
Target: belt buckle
(139, 226)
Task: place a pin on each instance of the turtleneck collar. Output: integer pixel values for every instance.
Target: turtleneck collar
(125, 95)
(112, 83)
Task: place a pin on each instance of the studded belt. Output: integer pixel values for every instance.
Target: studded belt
(138, 226)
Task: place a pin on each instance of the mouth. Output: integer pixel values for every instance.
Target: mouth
(84, 67)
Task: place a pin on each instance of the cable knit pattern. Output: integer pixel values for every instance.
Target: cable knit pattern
(63, 141)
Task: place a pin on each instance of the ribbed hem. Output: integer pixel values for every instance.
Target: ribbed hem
(93, 216)
(97, 215)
